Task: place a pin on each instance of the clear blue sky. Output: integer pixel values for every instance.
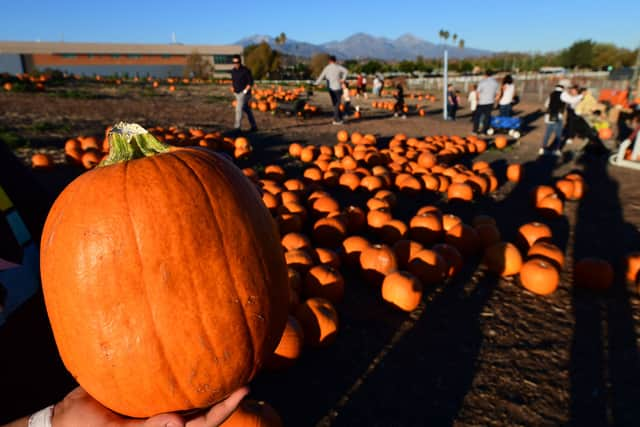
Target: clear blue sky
(517, 25)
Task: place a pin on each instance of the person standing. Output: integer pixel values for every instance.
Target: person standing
(335, 75)
(553, 121)
(242, 82)
(472, 99)
(359, 80)
(487, 90)
(572, 98)
(507, 92)
(364, 86)
(452, 103)
(398, 107)
(377, 86)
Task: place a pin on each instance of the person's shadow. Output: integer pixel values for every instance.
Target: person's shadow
(605, 364)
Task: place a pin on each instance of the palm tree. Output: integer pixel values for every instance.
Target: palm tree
(454, 38)
(461, 44)
(445, 34)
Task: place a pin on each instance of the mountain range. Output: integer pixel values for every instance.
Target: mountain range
(366, 46)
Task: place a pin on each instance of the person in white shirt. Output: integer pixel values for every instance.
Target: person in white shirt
(487, 90)
(472, 99)
(507, 91)
(335, 75)
(377, 86)
(571, 98)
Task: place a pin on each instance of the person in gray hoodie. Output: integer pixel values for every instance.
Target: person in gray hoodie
(335, 75)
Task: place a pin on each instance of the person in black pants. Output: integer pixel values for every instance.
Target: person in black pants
(398, 107)
(242, 82)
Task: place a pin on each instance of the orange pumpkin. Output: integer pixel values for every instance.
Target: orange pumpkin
(328, 257)
(547, 251)
(295, 241)
(41, 161)
(500, 142)
(319, 321)
(329, 232)
(402, 289)
(514, 172)
(112, 341)
(460, 191)
(539, 276)
(452, 257)
(255, 414)
(503, 258)
(289, 348)
(551, 206)
(530, 233)
(376, 261)
(405, 250)
(325, 282)
(632, 267)
(351, 249)
(428, 266)
(464, 238)
(426, 228)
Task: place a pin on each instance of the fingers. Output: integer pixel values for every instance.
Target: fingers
(220, 411)
(164, 420)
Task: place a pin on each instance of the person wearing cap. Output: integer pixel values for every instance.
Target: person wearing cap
(334, 75)
(242, 82)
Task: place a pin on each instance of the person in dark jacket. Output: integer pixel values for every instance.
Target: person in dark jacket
(398, 107)
(242, 82)
(452, 103)
(553, 120)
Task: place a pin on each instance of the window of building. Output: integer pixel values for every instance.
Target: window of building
(68, 55)
(222, 59)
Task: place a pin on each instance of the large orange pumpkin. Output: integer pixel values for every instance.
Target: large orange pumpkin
(503, 258)
(175, 292)
(539, 276)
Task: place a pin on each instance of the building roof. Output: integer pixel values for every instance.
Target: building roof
(20, 47)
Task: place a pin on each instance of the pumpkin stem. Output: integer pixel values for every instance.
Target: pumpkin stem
(129, 141)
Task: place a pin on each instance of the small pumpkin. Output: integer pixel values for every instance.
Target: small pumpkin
(539, 276)
(547, 251)
(376, 261)
(503, 258)
(428, 266)
(325, 282)
(289, 348)
(402, 289)
(405, 250)
(351, 248)
(532, 232)
(593, 273)
(319, 321)
(632, 267)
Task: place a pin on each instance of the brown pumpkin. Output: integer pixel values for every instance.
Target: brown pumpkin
(593, 273)
(116, 323)
(319, 321)
(402, 289)
(539, 276)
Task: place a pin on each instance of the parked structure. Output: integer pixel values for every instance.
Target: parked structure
(158, 60)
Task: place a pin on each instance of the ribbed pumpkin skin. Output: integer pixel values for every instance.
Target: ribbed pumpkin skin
(164, 281)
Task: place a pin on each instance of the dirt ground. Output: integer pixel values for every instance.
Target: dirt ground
(478, 351)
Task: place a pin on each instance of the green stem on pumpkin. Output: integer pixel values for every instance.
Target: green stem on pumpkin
(129, 141)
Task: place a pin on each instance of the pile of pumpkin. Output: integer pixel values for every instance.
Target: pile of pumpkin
(88, 151)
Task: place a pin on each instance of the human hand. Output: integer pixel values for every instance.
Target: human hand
(79, 409)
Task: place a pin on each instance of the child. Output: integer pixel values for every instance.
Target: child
(398, 108)
(472, 99)
(346, 98)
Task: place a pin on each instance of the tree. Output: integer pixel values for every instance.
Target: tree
(262, 60)
(454, 38)
(371, 67)
(281, 39)
(198, 67)
(318, 62)
(578, 55)
(461, 44)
